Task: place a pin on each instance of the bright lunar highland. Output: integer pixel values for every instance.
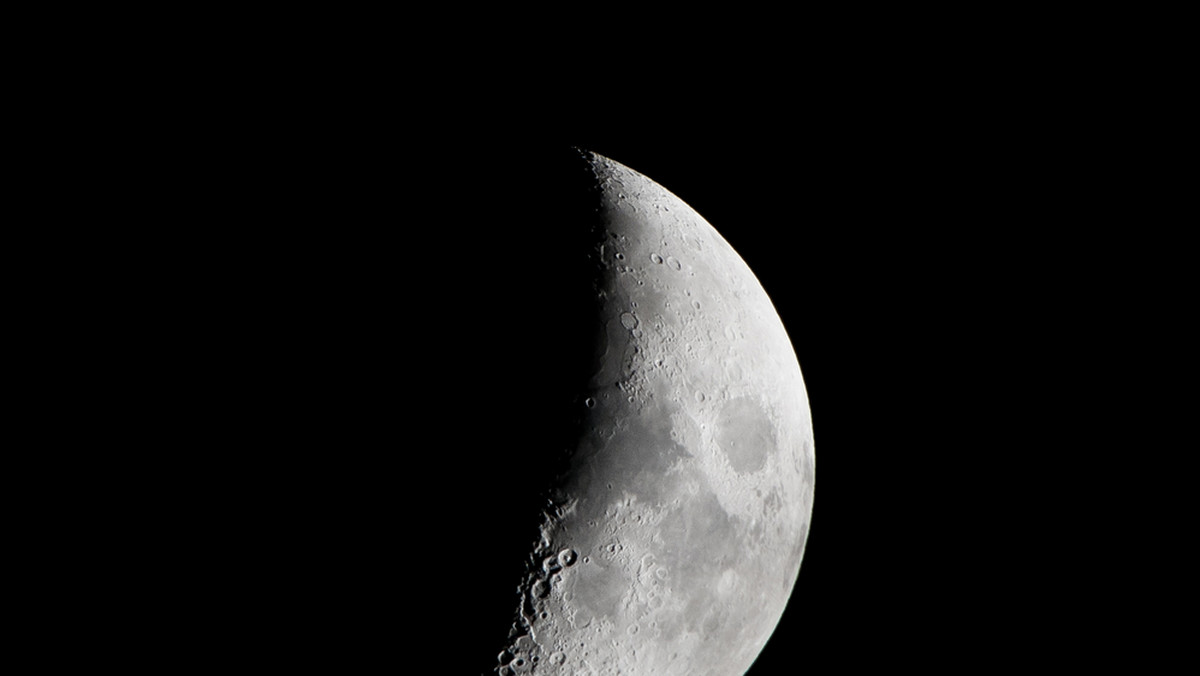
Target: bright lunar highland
(673, 536)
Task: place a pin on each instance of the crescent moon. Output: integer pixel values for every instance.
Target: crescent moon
(674, 533)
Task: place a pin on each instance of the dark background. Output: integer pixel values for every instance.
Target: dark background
(405, 357)
(379, 360)
(345, 334)
(963, 233)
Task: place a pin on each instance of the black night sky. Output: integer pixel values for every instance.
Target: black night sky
(389, 320)
(339, 294)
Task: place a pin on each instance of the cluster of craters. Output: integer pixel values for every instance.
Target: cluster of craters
(527, 649)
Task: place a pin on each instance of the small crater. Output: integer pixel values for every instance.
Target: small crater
(674, 263)
(628, 320)
(589, 402)
(656, 258)
(567, 558)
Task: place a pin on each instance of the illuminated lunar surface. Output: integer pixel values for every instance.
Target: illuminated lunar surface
(675, 533)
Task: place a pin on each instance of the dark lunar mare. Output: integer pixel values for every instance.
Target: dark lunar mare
(383, 344)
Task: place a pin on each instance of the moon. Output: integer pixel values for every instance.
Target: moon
(673, 532)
